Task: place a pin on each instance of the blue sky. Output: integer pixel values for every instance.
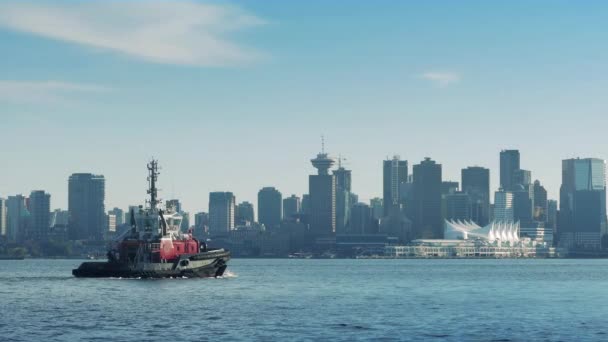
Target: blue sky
(233, 96)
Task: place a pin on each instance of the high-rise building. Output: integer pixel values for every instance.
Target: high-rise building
(40, 212)
(201, 223)
(522, 177)
(503, 206)
(2, 217)
(476, 183)
(270, 207)
(523, 205)
(120, 216)
(175, 205)
(18, 218)
(343, 197)
(221, 212)
(377, 208)
(86, 205)
(426, 205)
(394, 176)
(449, 187)
(306, 204)
(457, 206)
(291, 207)
(360, 219)
(111, 222)
(509, 163)
(322, 191)
(244, 215)
(582, 214)
(540, 202)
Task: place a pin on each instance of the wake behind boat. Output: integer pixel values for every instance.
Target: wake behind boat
(156, 248)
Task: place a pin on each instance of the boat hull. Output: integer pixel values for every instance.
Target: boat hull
(202, 265)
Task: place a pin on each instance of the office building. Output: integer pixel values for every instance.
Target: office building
(503, 206)
(270, 207)
(244, 214)
(40, 212)
(582, 213)
(291, 207)
(509, 163)
(2, 217)
(540, 202)
(476, 183)
(425, 210)
(360, 219)
(86, 205)
(394, 177)
(221, 212)
(344, 201)
(457, 206)
(18, 218)
(377, 208)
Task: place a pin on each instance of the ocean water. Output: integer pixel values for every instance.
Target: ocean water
(313, 300)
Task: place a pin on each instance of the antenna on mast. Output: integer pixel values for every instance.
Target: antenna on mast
(322, 144)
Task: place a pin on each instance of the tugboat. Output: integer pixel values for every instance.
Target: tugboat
(155, 247)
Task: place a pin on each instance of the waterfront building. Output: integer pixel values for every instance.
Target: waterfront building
(245, 214)
(306, 205)
(86, 205)
(291, 207)
(582, 214)
(502, 231)
(476, 183)
(58, 225)
(552, 214)
(322, 191)
(2, 217)
(449, 187)
(221, 212)
(426, 204)
(503, 206)
(522, 204)
(509, 163)
(394, 176)
(18, 218)
(270, 207)
(40, 212)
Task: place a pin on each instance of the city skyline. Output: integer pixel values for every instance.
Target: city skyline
(90, 107)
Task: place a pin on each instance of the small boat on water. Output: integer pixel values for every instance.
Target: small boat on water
(155, 247)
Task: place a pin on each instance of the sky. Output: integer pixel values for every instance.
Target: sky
(234, 96)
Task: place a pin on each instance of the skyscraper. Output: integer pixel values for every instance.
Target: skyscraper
(40, 212)
(291, 207)
(582, 214)
(509, 163)
(2, 217)
(244, 214)
(18, 218)
(503, 206)
(394, 176)
(457, 206)
(377, 208)
(174, 204)
(540, 202)
(270, 207)
(221, 212)
(476, 183)
(322, 192)
(426, 207)
(201, 224)
(361, 219)
(86, 205)
(120, 216)
(343, 196)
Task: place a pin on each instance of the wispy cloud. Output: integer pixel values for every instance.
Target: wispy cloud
(43, 91)
(442, 79)
(168, 32)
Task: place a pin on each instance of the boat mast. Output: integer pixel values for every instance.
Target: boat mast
(152, 178)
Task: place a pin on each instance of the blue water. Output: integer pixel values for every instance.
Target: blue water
(313, 300)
